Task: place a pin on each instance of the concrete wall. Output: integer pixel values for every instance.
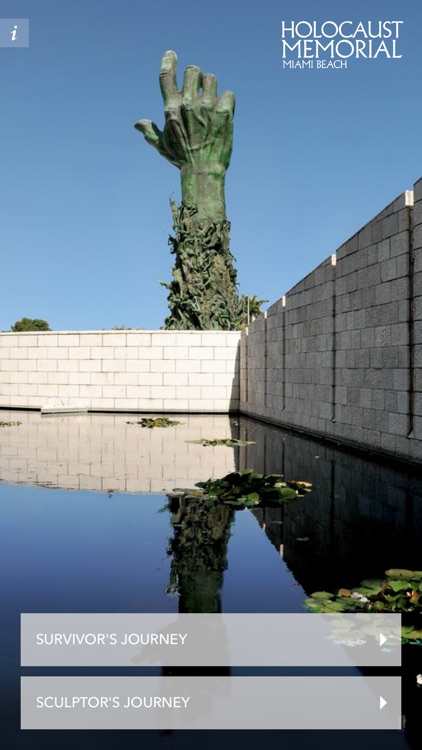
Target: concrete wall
(142, 371)
(340, 355)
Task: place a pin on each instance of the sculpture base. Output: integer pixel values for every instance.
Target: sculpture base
(203, 293)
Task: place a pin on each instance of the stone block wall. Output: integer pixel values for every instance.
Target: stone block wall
(160, 371)
(416, 292)
(340, 355)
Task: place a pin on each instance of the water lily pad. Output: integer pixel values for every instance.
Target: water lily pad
(228, 442)
(322, 595)
(351, 604)
(374, 595)
(398, 585)
(344, 592)
(414, 635)
(403, 574)
(155, 422)
(301, 487)
(336, 606)
(314, 604)
(391, 597)
(375, 584)
(286, 493)
(364, 591)
(247, 488)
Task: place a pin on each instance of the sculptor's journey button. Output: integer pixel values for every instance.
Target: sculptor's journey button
(130, 701)
(170, 702)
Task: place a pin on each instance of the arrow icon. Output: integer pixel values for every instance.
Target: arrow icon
(383, 639)
(382, 703)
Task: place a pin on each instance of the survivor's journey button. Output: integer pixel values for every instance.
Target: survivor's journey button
(110, 639)
(206, 639)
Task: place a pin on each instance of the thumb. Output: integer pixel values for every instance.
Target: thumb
(150, 131)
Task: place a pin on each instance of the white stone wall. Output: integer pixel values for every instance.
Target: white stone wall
(146, 371)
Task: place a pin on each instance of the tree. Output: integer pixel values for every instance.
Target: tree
(251, 309)
(30, 324)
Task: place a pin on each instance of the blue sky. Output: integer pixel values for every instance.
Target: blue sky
(85, 201)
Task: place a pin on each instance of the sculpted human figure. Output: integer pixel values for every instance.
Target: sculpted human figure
(197, 138)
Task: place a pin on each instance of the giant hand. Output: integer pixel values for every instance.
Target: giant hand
(197, 136)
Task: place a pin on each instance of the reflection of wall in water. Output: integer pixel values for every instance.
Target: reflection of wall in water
(102, 452)
(360, 519)
(271, 520)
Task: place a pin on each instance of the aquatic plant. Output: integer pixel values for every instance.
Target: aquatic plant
(229, 442)
(241, 489)
(400, 591)
(157, 422)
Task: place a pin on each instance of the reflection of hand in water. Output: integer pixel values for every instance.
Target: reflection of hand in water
(201, 529)
(204, 642)
(210, 685)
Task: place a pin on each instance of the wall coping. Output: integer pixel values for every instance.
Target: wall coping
(114, 331)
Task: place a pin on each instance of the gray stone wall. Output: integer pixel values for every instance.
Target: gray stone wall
(416, 344)
(340, 355)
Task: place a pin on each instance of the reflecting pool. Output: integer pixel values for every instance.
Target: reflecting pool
(86, 526)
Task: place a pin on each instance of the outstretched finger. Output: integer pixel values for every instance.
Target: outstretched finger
(149, 130)
(209, 88)
(168, 81)
(191, 82)
(226, 103)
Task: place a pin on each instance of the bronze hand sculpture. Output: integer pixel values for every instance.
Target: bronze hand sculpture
(198, 138)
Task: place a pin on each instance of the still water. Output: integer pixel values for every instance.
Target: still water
(86, 526)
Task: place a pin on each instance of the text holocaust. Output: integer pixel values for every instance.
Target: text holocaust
(308, 39)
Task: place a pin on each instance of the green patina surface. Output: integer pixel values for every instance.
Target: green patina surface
(198, 139)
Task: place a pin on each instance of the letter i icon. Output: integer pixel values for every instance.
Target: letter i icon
(14, 33)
